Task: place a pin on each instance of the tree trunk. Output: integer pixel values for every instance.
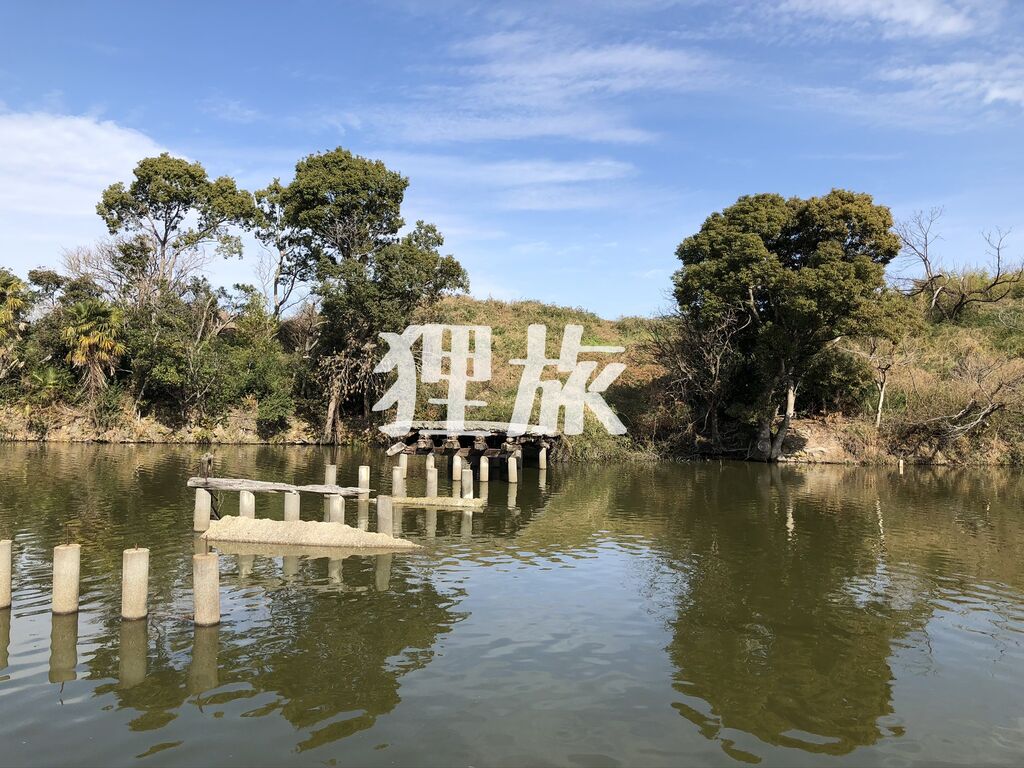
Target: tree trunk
(780, 436)
(330, 429)
(881, 399)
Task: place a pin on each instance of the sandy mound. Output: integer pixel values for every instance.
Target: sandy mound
(301, 533)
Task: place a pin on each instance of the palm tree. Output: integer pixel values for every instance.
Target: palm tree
(91, 330)
(13, 305)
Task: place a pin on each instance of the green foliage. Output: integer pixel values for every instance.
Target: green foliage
(91, 330)
(273, 414)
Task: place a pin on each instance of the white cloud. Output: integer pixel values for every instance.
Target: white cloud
(53, 169)
(897, 18)
(971, 84)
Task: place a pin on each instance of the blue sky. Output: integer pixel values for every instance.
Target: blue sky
(564, 149)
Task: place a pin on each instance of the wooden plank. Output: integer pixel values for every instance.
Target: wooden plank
(438, 501)
(262, 486)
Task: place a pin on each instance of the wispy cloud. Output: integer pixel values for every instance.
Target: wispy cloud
(897, 18)
(231, 110)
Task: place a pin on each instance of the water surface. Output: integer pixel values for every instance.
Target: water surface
(638, 615)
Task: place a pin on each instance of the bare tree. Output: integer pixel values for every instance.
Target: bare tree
(950, 291)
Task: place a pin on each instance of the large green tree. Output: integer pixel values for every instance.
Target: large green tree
(800, 270)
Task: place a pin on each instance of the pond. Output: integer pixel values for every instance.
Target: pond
(664, 614)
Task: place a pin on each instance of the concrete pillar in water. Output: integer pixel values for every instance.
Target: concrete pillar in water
(456, 468)
(331, 474)
(431, 482)
(382, 573)
(513, 470)
(542, 479)
(6, 563)
(385, 523)
(135, 583)
(363, 514)
(335, 509)
(201, 513)
(206, 589)
(467, 483)
(134, 648)
(364, 479)
(901, 466)
(431, 523)
(63, 647)
(431, 464)
(5, 636)
(245, 564)
(542, 458)
(67, 563)
(403, 463)
(292, 505)
(290, 566)
(466, 526)
(397, 482)
(485, 469)
(202, 672)
(246, 504)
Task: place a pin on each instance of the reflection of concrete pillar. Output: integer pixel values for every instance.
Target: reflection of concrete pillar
(335, 509)
(456, 468)
(542, 479)
(363, 514)
(431, 482)
(364, 479)
(466, 527)
(431, 523)
(485, 469)
(199, 545)
(201, 513)
(202, 672)
(246, 504)
(67, 562)
(331, 474)
(397, 482)
(134, 647)
(382, 573)
(334, 574)
(385, 524)
(512, 495)
(134, 583)
(292, 505)
(403, 464)
(245, 563)
(6, 564)
(513, 470)
(5, 636)
(63, 647)
(542, 458)
(467, 483)
(206, 589)
(396, 530)
(290, 566)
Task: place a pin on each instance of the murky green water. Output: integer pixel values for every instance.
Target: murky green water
(653, 615)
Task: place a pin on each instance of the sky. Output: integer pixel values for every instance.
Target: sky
(564, 149)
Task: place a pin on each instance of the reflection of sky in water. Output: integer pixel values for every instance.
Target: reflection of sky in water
(647, 615)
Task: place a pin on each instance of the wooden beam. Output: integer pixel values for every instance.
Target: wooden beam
(437, 501)
(261, 486)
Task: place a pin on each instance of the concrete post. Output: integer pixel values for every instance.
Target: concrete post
(202, 672)
(431, 464)
(542, 458)
(485, 469)
(385, 521)
(431, 482)
(201, 513)
(246, 504)
(335, 509)
(513, 470)
(397, 482)
(5, 573)
(135, 583)
(901, 466)
(456, 468)
(382, 572)
(467, 483)
(292, 505)
(67, 563)
(331, 474)
(133, 649)
(364, 480)
(363, 514)
(542, 479)
(206, 589)
(403, 463)
(63, 648)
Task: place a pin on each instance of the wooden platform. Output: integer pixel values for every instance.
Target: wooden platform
(262, 486)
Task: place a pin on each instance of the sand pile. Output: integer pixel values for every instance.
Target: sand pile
(301, 533)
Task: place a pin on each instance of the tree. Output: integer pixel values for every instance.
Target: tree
(800, 270)
(949, 292)
(163, 222)
(14, 305)
(345, 211)
(92, 329)
(288, 248)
